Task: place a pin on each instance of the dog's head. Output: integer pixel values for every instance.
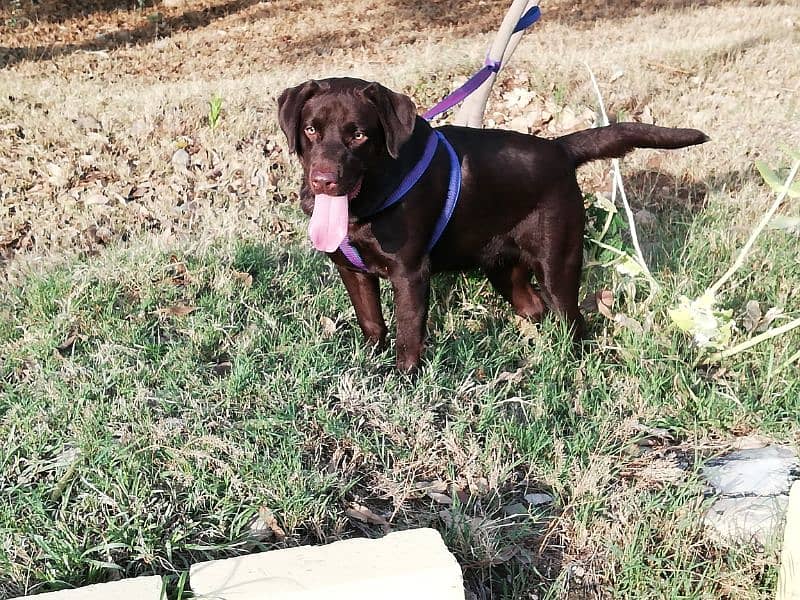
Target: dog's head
(340, 128)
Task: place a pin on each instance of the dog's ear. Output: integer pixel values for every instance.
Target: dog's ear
(396, 112)
(290, 103)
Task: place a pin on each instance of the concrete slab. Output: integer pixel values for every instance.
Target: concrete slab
(136, 588)
(401, 565)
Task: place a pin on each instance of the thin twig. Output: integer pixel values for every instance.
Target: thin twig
(792, 359)
(618, 184)
(769, 334)
(767, 218)
(668, 68)
(611, 248)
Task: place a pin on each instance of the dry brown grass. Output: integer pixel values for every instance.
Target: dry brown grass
(87, 137)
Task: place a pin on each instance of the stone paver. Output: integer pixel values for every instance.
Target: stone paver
(402, 565)
(137, 588)
(755, 519)
(757, 471)
(789, 577)
(751, 486)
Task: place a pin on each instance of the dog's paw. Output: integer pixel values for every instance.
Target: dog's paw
(408, 365)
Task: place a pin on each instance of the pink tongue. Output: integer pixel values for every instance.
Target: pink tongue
(328, 226)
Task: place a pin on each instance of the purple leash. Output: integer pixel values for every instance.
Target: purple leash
(472, 84)
(454, 186)
(489, 67)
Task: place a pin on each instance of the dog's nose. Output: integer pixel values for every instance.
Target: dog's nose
(324, 182)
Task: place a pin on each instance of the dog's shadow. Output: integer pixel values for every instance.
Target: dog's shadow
(665, 208)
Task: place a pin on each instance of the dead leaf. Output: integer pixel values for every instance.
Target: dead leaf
(328, 326)
(359, 512)
(752, 316)
(222, 368)
(527, 328)
(748, 442)
(480, 486)
(457, 519)
(88, 123)
(269, 519)
(243, 278)
(460, 493)
(179, 274)
(66, 346)
(179, 310)
(518, 98)
(509, 377)
(567, 119)
(437, 486)
(605, 301)
(627, 322)
(654, 436)
(440, 498)
(505, 555)
(93, 199)
(138, 191)
(768, 318)
(516, 510)
(265, 526)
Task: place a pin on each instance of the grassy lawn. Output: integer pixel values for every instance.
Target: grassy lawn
(140, 438)
(168, 386)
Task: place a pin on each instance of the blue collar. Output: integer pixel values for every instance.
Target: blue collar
(409, 181)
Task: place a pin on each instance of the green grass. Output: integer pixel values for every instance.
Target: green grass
(139, 441)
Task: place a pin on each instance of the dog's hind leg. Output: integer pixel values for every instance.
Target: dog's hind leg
(553, 250)
(560, 280)
(514, 284)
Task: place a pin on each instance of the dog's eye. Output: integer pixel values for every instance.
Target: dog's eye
(359, 135)
(310, 130)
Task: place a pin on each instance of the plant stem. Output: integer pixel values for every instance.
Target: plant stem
(792, 359)
(767, 217)
(771, 333)
(618, 184)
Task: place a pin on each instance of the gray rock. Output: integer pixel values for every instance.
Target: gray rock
(753, 486)
(747, 520)
(754, 472)
(515, 510)
(181, 159)
(539, 499)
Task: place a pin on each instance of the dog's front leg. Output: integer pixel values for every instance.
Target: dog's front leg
(364, 292)
(411, 310)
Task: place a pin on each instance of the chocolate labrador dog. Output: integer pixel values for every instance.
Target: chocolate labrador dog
(390, 197)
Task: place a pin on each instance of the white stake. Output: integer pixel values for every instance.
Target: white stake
(472, 109)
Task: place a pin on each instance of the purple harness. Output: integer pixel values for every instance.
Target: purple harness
(409, 181)
(529, 18)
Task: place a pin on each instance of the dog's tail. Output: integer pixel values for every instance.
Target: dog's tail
(614, 141)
